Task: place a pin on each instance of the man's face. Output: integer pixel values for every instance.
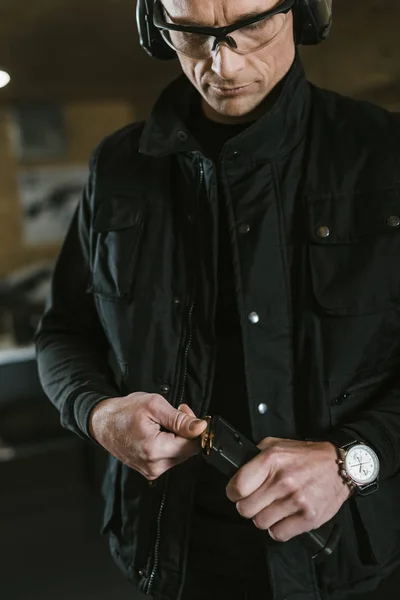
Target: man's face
(233, 86)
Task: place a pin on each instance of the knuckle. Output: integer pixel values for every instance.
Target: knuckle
(274, 452)
(310, 514)
(243, 511)
(231, 493)
(147, 450)
(236, 489)
(154, 472)
(258, 522)
(153, 402)
(179, 420)
(279, 536)
(273, 456)
(289, 484)
(301, 502)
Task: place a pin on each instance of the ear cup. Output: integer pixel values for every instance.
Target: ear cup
(312, 21)
(149, 36)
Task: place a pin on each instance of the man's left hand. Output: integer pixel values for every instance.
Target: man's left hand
(291, 487)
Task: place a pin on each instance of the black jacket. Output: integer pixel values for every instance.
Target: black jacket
(324, 354)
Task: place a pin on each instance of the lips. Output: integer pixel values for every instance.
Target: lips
(231, 91)
(226, 88)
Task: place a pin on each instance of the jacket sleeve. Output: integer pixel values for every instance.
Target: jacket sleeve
(71, 346)
(378, 425)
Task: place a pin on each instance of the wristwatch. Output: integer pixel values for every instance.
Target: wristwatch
(359, 467)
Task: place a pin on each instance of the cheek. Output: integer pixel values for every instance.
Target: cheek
(273, 66)
(194, 70)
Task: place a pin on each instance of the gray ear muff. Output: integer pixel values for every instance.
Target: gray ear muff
(312, 21)
(149, 36)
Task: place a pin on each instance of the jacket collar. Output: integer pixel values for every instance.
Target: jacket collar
(271, 136)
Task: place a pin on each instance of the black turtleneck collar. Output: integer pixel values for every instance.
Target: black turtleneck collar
(271, 136)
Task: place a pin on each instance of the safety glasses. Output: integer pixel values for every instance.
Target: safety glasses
(243, 37)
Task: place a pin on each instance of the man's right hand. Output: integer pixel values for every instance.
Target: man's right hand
(146, 433)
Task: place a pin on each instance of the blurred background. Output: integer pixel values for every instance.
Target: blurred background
(77, 74)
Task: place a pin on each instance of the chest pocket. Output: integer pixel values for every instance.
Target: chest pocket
(117, 229)
(354, 251)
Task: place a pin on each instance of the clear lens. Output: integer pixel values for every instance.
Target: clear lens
(247, 39)
(191, 44)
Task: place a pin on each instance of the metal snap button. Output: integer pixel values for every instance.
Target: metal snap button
(244, 228)
(393, 221)
(254, 318)
(183, 136)
(323, 232)
(165, 389)
(262, 408)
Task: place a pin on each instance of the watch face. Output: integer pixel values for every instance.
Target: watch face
(362, 464)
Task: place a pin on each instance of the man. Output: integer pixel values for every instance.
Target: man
(237, 255)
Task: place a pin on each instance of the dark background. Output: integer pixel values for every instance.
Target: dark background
(74, 51)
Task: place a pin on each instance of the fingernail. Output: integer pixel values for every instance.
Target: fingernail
(194, 424)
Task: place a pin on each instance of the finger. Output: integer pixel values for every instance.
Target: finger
(290, 527)
(153, 471)
(268, 442)
(171, 447)
(265, 496)
(178, 422)
(248, 479)
(185, 408)
(275, 513)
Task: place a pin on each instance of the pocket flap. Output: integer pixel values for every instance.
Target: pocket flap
(117, 212)
(352, 217)
(355, 251)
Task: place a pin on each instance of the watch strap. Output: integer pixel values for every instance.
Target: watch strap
(367, 489)
(341, 438)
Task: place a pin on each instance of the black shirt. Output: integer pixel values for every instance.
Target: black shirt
(217, 527)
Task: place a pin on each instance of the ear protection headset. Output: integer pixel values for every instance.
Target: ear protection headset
(312, 24)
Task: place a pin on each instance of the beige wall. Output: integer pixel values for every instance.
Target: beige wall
(86, 124)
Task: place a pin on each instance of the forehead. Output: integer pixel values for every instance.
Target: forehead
(214, 13)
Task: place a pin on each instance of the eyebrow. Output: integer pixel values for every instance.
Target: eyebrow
(245, 17)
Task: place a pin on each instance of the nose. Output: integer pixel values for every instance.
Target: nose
(226, 63)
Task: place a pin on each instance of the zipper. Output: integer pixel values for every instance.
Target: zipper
(186, 354)
(158, 537)
(181, 397)
(361, 387)
(165, 492)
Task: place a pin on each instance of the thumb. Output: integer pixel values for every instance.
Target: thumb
(185, 408)
(182, 422)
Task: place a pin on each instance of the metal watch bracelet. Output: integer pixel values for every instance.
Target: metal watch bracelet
(347, 480)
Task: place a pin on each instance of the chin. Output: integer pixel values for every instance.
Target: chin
(235, 108)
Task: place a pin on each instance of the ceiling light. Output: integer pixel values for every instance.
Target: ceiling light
(4, 79)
